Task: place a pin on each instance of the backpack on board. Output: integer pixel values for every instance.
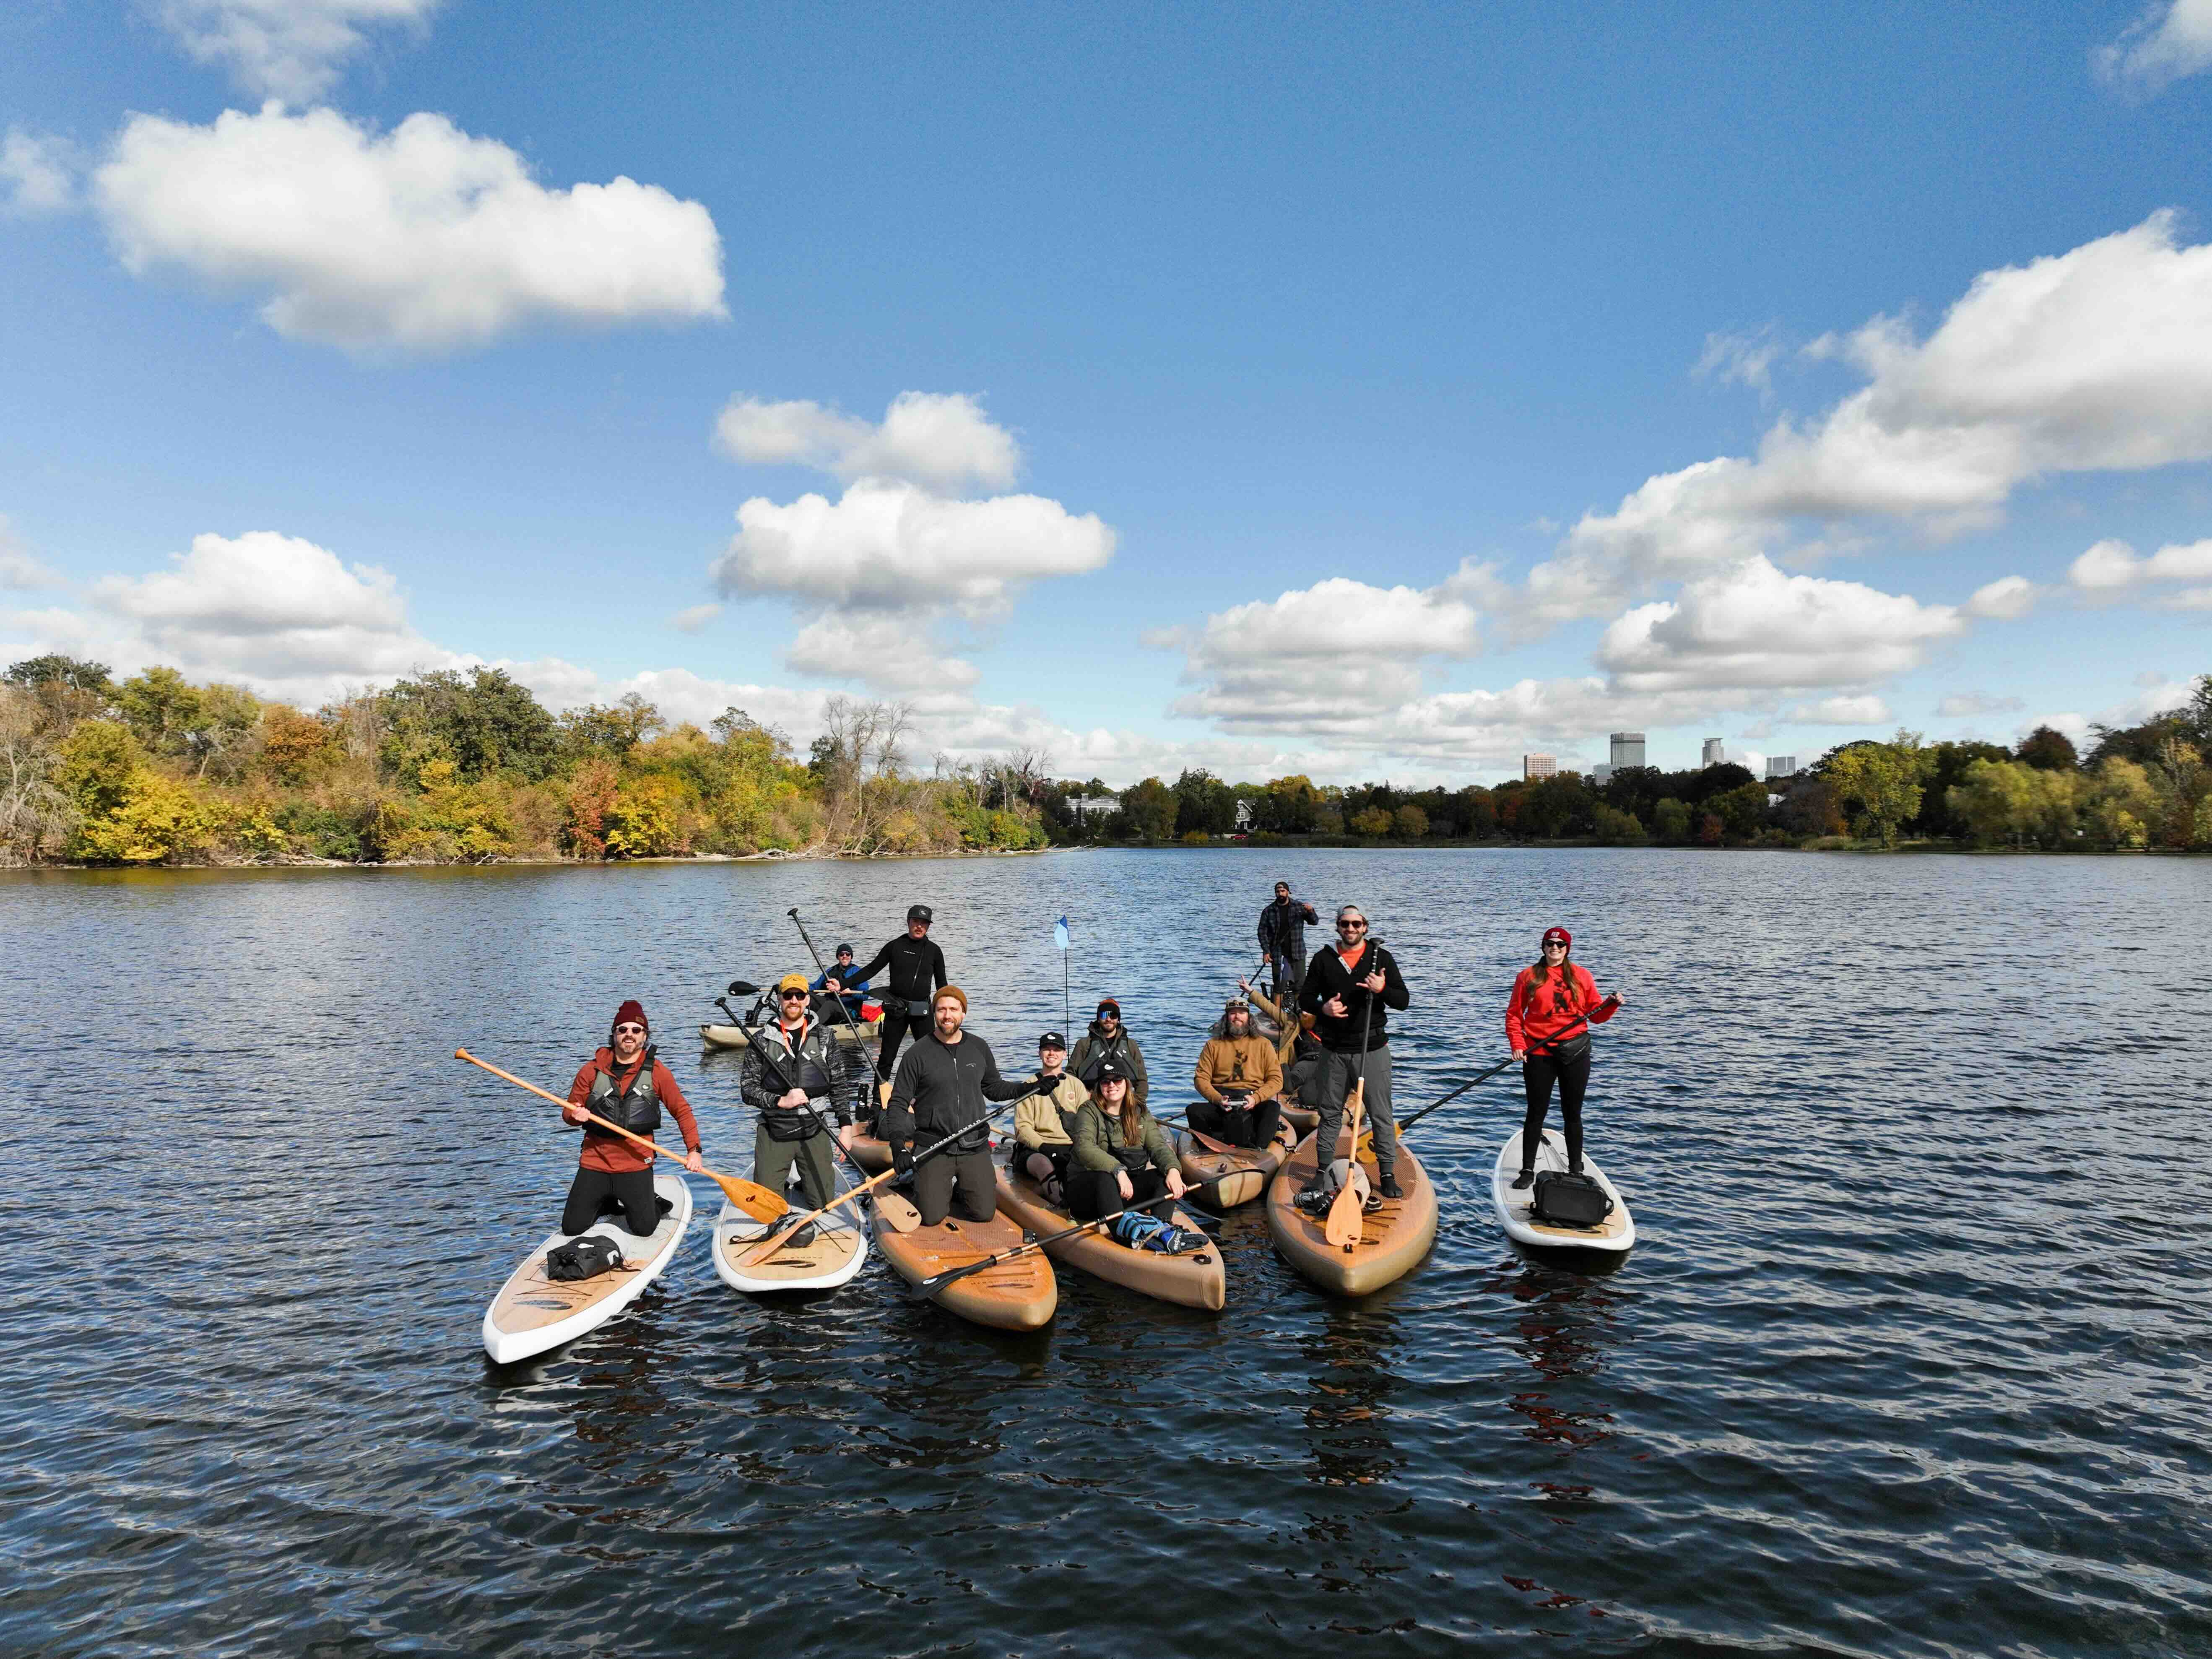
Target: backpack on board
(587, 1257)
(1568, 1200)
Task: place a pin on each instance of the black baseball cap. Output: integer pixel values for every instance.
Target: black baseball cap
(1109, 1067)
(918, 913)
(1053, 1040)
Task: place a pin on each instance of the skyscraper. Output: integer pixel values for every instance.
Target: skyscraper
(1714, 754)
(1782, 766)
(1539, 766)
(1627, 749)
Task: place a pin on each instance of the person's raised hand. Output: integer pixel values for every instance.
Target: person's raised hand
(1333, 1007)
(1374, 981)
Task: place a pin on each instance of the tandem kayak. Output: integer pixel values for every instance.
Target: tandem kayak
(1237, 1176)
(1194, 1279)
(1590, 1249)
(733, 1036)
(533, 1313)
(835, 1253)
(1020, 1294)
(1392, 1236)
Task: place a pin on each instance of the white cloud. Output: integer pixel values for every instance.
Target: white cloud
(287, 49)
(2006, 599)
(39, 173)
(1863, 710)
(1754, 627)
(18, 569)
(1747, 359)
(423, 238)
(2170, 40)
(2099, 359)
(940, 439)
(1962, 704)
(888, 654)
(691, 619)
(2110, 566)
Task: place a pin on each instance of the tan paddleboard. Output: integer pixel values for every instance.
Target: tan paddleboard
(1020, 1294)
(1196, 1280)
(1237, 1176)
(1392, 1237)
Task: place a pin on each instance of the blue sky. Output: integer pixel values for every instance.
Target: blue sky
(1303, 389)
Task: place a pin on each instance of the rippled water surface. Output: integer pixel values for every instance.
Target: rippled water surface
(1911, 1358)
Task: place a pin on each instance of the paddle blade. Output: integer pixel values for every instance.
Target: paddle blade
(756, 1200)
(1342, 1227)
(898, 1215)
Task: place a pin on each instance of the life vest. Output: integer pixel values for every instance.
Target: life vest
(810, 1074)
(636, 1108)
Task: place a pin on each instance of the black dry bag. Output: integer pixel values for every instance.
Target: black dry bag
(587, 1257)
(1569, 1201)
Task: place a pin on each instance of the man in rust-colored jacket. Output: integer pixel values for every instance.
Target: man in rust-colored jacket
(625, 1083)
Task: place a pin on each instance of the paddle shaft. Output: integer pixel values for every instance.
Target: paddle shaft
(794, 913)
(1552, 1041)
(1342, 1227)
(645, 1141)
(931, 1285)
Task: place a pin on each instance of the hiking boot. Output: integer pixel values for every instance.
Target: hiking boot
(1526, 1178)
(1389, 1188)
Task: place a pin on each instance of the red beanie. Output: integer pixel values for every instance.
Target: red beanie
(632, 1013)
(1558, 936)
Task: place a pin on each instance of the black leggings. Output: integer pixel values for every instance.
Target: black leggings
(897, 1028)
(1536, 1078)
(1238, 1125)
(1057, 1155)
(602, 1192)
(1094, 1192)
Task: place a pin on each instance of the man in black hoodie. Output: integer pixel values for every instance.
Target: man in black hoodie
(1349, 990)
(917, 971)
(940, 1089)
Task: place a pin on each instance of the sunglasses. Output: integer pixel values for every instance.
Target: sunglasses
(1555, 945)
(638, 1030)
(1351, 927)
(790, 996)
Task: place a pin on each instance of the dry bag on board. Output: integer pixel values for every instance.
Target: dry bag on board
(587, 1257)
(1569, 1201)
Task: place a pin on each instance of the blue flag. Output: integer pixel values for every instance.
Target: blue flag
(1059, 933)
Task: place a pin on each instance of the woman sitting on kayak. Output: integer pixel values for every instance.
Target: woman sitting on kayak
(1121, 1158)
(1546, 1026)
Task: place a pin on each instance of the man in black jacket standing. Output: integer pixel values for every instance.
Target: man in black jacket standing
(939, 1090)
(1351, 986)
(1283, 939)
(917, 969)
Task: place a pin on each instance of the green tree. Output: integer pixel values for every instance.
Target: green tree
(163, 710)
(1742, 810)
(1291, 806)
(1150, 808)
(1411, 823)
(1373, 821)
(1614, 827)
(72, 672)
(1670, 821)
(483, 721)
(1203, 804)
(99, 760)
(612, 730)
(1878, 784)
(2048, 749)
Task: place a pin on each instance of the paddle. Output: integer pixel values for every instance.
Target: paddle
(755, 1201)
(1345, 1210)
(930, 1286)
(876, 1181)
(1552, 1041)
(898, 1223)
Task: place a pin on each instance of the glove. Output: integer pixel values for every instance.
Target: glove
(902, 1160)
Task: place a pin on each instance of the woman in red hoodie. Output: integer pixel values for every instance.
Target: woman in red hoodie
(625, 1083)
(1547, 1018)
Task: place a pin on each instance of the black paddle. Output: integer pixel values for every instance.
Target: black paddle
(930, 1286)
(1545, 1042)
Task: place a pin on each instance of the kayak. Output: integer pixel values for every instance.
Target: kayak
(1237, 1176)
(532, 1313)
(839, 1248)
(1593, 1249)
(1194, 1280)
(1392, 1236)
(1014, 1296)
(733, 1036)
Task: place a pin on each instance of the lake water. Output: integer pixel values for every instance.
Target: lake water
(1911, 1358)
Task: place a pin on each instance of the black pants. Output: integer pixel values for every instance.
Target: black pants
(897, 1028)
(1094, 1192)
(1536, 1078)
(1300, 1077)
(1290, 974)
(965, 1184)
(1057, 1155)
(1237, 1124)
(595, 1193)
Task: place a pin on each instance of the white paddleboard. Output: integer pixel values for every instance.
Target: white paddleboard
(532, 1313)
(1611, 1239)
(839, 1248)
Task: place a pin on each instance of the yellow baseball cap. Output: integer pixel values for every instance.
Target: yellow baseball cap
(792, 983)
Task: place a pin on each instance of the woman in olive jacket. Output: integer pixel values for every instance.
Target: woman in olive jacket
(1122, 1159)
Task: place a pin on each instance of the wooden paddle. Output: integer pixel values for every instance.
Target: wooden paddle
(1344, 1211)
(755, 1201)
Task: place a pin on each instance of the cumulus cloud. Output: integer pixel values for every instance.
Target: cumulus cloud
(38, 175)
(423, 238)
(886, 653)
(2111, 567)
(691, 619)
(2006, 599)
(1863, 710)
(943, 441)
(1963, 704)
(2099, 359)
(292, 50)
(18, 569)
(2170, 40)
(1747, 359)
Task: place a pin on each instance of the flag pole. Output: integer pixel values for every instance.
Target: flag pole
(1067, 1008)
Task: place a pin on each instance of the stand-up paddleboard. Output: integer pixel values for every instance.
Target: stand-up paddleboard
(1234, 1177)
(835, 1253)
(1392, 1236)
(1194, 1279)
(532, 1313)
(1589, 1248)
(1020, 1294)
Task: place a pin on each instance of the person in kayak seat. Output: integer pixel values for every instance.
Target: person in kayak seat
(1547, 1020)
(1108, 1035)
(625, 1084)
(1349, 989)
(1044, 1124)
(917, 972)
(939, 1090)
(1240, 1075)
(1122, 1159)
(795, 1122)
(854, 983)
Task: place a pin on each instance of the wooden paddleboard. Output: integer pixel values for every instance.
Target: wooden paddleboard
(1237, 1176)
(1020, 1294)
(1592, 1247)
(1197, 1280)
(838, 1248)
(533, 1313)
(1392, 1237)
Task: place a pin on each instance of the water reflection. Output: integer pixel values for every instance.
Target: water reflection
(1350, 1390)
(1565, 1330)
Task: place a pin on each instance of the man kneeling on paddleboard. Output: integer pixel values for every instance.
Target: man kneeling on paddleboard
(1240, 1074)
(789, 1077)
(625, 1083)
(938, 1091)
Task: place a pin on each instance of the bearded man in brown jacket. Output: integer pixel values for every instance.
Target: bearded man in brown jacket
(1241, 1076)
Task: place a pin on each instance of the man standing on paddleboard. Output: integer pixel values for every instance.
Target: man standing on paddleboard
(625, 1083)
(917, 969)
(1349, 990)
(1283, 939)
(938, 1091)
(793, 1122)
